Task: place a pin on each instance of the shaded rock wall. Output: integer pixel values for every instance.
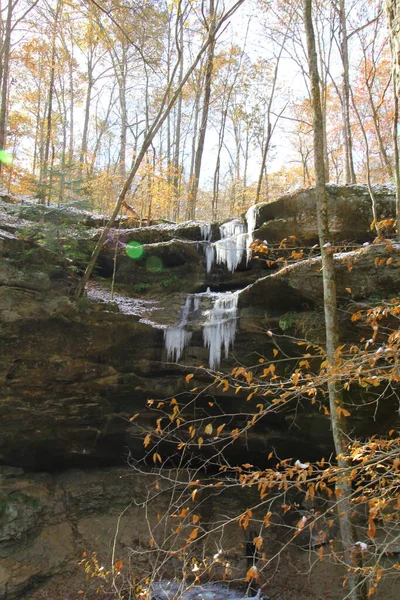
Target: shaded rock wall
(74, 372)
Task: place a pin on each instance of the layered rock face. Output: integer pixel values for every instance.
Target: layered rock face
(73, 372)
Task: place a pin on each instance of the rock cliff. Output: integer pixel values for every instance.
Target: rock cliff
(73, 372)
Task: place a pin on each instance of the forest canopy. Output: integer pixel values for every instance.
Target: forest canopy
(83, 83)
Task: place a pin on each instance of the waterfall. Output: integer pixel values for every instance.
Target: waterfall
(216, 313)
(234, 244)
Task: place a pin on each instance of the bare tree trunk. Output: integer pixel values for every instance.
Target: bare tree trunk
(45, 195)
(4, 78)
(338, 421)
(393, 17)
(350, 176)
(396, 160)
(194, 184)
(176, 165)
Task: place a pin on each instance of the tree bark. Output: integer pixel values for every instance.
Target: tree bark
(393, 17)
(44, 194)
(194, 187)
(350, 176)
(4, 78)
(338, 421)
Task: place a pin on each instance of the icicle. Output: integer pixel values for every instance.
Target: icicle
(176, 339)
(210, 255)
(206, 232)
(251, 219)
(230, 251)
(232, 228)
(220, 328)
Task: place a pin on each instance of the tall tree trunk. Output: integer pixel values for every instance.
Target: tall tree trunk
(85, 132)
(44, 194)
(393, 17)
(4, 78)
(350, 176)
(338, 421)
(177, 146)
(194, 184)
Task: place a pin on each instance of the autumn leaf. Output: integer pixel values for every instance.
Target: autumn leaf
(371, 532)
(189, 377)
(220, 428)
(300, 525)
(193, 534)
(118, 565)
(258, 542)
(156, 457)
(208, 429)
(267, 519)
(252, 573)
(134, 417)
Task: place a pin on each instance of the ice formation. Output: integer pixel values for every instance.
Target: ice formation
(251, 218)
(230, 251)
(176, 339)
(206, 232)
(219, 321)
(234, 243)
(168, 590)
(218, 325)
(220, 328)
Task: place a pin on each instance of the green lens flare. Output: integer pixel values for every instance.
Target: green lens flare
(5, 157)
(134, 250)
(154, 264)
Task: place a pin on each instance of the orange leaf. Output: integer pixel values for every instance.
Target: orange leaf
(371, 528)
(252, 573)
(193, 534)
(189, 377)
(156, 457)
(118, 565)
(134, 417)
(258, 542)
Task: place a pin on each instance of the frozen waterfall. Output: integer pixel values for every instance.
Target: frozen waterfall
(234, 244)
(220, 328)
(216, 314)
